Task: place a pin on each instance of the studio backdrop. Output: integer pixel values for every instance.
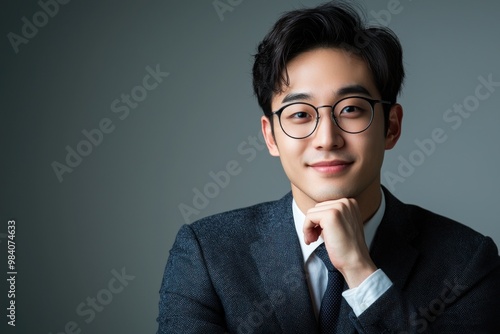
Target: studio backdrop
(123, 120)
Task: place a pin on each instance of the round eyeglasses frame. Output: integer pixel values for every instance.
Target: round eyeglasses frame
(372, 103)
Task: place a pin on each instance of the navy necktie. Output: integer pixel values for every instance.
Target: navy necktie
(330, 304)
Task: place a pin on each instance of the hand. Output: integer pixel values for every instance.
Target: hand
(340, 224)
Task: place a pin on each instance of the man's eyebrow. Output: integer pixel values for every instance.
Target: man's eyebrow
(347, 90)
(352, 89)
(296, 97)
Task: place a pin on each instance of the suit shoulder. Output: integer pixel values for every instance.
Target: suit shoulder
(428, 220)
(433, 234)
(449, 236)
(237, 221)
(412, 219)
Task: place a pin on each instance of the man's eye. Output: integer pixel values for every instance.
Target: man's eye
(351, 109)
(301, 114)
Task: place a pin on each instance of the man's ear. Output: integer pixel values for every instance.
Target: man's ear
(394, 126)
(267, 131)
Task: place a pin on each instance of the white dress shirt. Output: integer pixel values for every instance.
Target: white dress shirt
(359, 298)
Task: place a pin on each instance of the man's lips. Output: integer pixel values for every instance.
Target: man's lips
(330, 163)
(332, 166)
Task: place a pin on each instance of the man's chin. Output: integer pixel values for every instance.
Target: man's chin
(331, 195)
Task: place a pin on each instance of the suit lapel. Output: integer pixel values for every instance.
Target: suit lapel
(281, 269)
(391, 249)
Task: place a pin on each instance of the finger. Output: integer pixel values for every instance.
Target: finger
(340, 204)
(334, 219)
(316, 222)
(326, 203)
(333, 201)
(312, 230)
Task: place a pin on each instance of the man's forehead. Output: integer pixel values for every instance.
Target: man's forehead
(346, 66)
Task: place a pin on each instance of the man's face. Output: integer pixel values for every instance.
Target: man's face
(331, 164)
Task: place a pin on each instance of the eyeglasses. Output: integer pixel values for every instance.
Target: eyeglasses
(353, 114)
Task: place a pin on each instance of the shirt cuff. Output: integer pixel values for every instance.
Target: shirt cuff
(364, 295)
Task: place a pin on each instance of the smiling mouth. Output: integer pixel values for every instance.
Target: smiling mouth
(331, 167)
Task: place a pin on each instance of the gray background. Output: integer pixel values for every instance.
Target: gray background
(120, 207)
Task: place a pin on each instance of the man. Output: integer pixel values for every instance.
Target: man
(339, 254)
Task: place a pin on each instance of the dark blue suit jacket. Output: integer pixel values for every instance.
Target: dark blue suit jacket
(242, 272)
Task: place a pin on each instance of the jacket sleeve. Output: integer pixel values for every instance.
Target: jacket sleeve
(188, 301)
(465, 303)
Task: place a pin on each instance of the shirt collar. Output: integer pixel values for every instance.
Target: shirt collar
(370, 227)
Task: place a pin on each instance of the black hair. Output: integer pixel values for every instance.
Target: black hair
(335, 24)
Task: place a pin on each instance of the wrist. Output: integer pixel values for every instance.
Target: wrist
(355, 274)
